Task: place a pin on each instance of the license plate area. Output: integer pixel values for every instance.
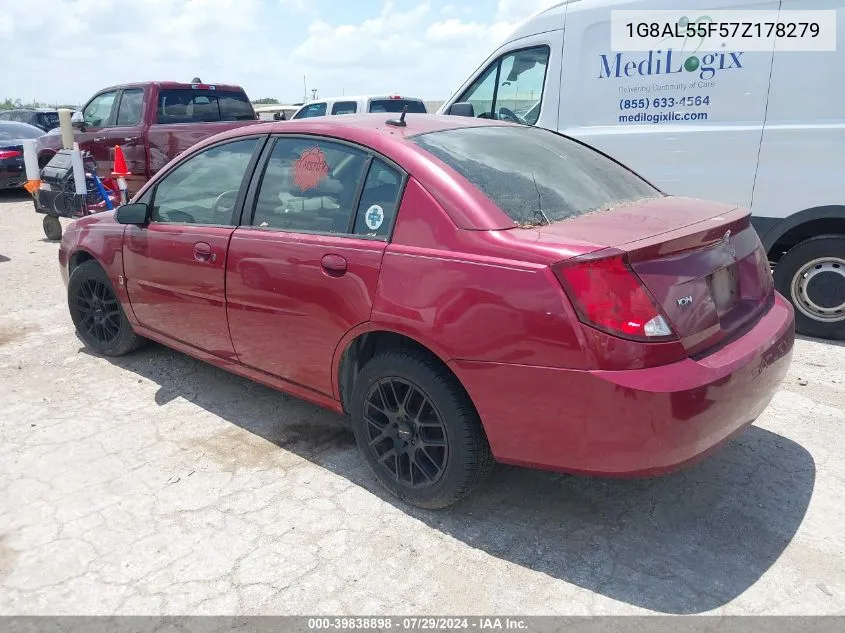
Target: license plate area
(724, 288)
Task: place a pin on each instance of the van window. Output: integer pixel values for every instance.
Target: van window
(311, 110)
(542, 177)
(345, 107)
(511, 89)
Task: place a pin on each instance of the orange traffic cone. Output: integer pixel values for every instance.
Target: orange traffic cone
(119, 163)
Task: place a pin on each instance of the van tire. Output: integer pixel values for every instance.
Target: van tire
(820, 304)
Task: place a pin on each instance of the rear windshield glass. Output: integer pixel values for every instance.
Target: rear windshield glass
(16, 131)
(396, 105)
(48, 120)
(533, 175)
(203, 106)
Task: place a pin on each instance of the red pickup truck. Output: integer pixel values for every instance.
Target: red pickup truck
(153, 122)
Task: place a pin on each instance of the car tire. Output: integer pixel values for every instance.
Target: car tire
(418, 430)
(52, 227)
(97, 314)
(812, 276)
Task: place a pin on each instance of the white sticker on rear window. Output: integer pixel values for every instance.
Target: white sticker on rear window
(374, 217)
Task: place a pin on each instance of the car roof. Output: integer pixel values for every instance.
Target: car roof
(364, 98)
(173, 85)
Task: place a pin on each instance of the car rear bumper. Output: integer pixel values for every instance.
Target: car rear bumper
(11, 176)
(630, 423)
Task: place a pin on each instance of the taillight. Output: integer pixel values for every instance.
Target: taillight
(764, 269)
(609, 296)
(9, 153)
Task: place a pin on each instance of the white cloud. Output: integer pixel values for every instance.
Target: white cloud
(518, 10)
(67, 49)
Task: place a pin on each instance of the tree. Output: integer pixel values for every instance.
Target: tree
(266, 101)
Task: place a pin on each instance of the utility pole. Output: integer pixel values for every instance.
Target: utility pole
(304, 90)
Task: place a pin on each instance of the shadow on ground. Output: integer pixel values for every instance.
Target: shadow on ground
(684, 543)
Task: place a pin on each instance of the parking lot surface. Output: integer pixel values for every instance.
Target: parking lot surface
(156, 484)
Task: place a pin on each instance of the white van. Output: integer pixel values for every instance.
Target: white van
(351, 105)
(764, 130)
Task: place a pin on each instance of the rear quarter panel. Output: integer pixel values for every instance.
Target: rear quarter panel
(438, 287)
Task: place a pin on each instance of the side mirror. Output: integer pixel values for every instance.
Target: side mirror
(77, 120)
(133, 213)
(461, 109)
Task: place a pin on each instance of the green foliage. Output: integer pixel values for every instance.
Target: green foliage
(266, 101)
(12, 104)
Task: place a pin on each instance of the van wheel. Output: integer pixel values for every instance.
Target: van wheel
(812, 275)
(52, 227)
(97, 314)
(418, 430)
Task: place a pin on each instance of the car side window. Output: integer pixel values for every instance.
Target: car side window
(98, 111)
(379, 201)
(511, 89)
(344, 107)
(129, 110)
(309, 185)
(311, 110)
(204, 188)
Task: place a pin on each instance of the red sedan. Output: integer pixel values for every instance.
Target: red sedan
(466, 290)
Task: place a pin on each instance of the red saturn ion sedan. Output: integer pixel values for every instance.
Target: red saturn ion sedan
(466, 290)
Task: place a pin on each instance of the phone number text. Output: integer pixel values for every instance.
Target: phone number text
(664, 102)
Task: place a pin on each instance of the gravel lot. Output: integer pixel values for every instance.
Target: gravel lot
(156, 484)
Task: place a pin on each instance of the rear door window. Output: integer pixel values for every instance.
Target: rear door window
(345, 107)
(397, 105)
(203, 106)
(129, 110)
(309, 185)
(543, 177)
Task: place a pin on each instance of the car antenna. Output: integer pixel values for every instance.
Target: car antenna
(400, 122)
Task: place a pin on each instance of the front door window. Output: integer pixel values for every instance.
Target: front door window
(511, 89)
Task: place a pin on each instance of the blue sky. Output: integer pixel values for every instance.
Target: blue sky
(67, 49)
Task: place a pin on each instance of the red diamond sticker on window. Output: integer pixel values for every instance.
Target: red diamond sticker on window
(310, 168)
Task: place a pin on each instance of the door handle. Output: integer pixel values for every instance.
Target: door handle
(99, 139)
(130, 139)
(333, 265)
(202, 252)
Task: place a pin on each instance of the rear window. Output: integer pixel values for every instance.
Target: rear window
(344, 107)
(203, 106)
(48, 120)
(396, 105)
(16, 131)
(535, 176)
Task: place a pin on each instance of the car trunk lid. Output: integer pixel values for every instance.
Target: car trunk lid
(702, 262)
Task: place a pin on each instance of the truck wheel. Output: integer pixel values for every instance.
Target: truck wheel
(97, 314)
(52, 227)
(812, 276)
(418, 430)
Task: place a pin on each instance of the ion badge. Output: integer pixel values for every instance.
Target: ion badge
(374, 217)
(310, 168)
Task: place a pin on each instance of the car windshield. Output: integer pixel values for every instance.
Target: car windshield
(15, 131)
(535, 176)
(397, 105)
